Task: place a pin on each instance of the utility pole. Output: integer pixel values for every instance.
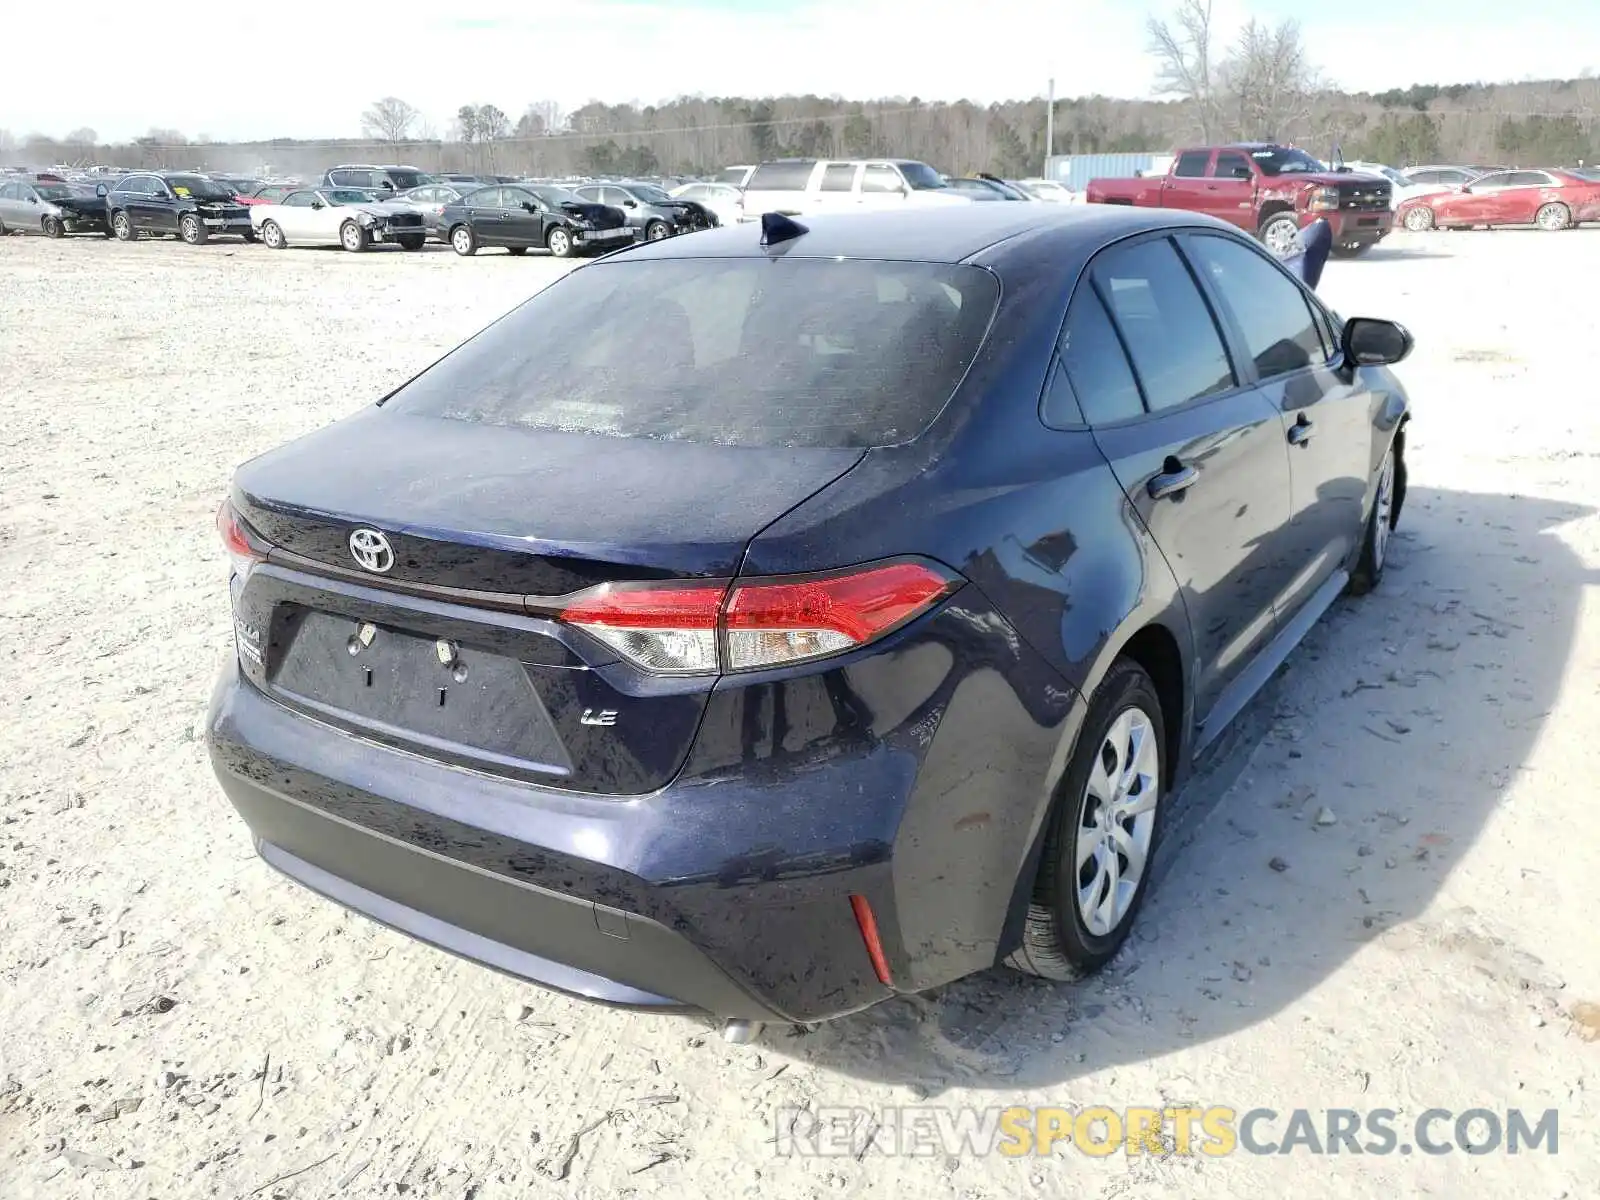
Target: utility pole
(1049, 129)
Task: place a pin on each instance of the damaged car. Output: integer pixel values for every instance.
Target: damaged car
(52, 209)
(651, 213)
(186, 206)
(331, 216)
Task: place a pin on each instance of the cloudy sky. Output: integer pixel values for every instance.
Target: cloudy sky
(241, 72)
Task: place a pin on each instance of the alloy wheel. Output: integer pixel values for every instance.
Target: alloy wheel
(1383, 511)
(1282, 237)
(1116, 822)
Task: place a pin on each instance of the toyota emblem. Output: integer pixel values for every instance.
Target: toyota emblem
(371, 550)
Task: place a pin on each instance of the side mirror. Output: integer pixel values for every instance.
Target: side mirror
(530, 206)
(1241, 173)
(32, 199)
(316, 204)
(1374, 342)
(630, 204)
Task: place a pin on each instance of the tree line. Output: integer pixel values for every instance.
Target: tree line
(1261, 84)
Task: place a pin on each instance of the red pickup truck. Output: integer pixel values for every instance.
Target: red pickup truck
(1270, 191)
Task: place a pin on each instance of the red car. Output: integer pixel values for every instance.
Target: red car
(1549, 199)
(269, 193)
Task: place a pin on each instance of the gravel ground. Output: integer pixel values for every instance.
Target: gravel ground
(1387, 900)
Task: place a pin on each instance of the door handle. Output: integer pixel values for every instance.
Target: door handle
(1174, 479)
(1300, 431)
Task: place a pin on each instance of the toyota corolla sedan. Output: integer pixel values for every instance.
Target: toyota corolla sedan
(779, 620)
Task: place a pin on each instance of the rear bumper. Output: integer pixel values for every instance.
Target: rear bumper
(728, 890)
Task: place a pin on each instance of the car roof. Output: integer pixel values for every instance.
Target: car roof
(991, 233)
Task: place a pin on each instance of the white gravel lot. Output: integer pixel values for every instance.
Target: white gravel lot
(177, 1021)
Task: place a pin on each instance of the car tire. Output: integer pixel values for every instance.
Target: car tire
(412, 241)
(1553, 217)
(192, 230)
(1280, 234)
(249, 235)
(656, 231)
(559, 242)
(1124, 722)
(463, 241)
(1419, 219)
(53, 228)
(122, 227)
(272, 235)
(353, 236)
(1380, 524)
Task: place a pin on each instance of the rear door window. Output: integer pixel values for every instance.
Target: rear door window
(1096, 365)
(1176, 347)
(838, 177)
(795, 353)
(781, 176)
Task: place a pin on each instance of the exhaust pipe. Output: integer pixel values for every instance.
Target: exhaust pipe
(740, 1032)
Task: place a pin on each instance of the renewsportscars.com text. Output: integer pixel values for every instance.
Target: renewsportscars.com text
(1214, 1130)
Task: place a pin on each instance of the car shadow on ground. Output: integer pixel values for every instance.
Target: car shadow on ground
(1364, 770)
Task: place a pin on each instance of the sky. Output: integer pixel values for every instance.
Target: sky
(240, 73)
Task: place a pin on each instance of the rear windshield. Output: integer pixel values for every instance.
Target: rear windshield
(792, 353)
(406, 180)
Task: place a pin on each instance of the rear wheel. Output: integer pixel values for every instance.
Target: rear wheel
(412, 241)
(1095, 866)
(560, 242)
(1419, 219)
(192, 230)
(1280, 234)
(122, 227)
(273, 236)
(1554, 217)
(353, 236)
(463, 241)
(53, 228)
(249, 235)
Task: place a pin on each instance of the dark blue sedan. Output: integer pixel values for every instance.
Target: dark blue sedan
(778, 620)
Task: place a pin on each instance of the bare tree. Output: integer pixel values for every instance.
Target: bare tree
(84, 137)
(389, 120)
(1186, 62)
(550, 112)
(492, 126)
(1269, 82)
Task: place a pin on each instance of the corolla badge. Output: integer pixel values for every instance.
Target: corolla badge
(371, 550)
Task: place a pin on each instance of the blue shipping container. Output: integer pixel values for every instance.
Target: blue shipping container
(1075, 170)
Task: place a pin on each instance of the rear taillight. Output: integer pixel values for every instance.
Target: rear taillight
(241, 550)
(703, 626)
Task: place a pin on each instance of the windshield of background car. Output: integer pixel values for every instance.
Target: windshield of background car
(1279, 160)
(343, 196)
(193, 187)
(922, 177)
(405, 180)
(792, 353)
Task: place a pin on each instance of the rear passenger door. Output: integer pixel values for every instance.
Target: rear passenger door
(1198, 451)
(837, 190)
(1327, 420)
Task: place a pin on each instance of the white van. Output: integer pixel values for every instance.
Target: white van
(811, 185)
